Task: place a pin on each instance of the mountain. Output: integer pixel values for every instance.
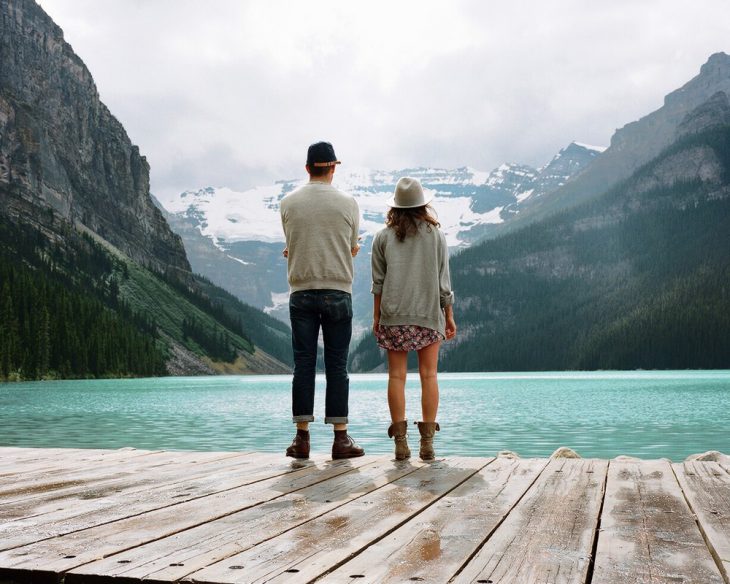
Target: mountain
(235, 238)
(93, 280)
(634, 145)
(634, 279)
(61, 148)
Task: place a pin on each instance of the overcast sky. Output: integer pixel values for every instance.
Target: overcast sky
(231, 93)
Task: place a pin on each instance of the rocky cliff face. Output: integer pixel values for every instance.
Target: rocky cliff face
(61, 148)
(714, 113)
(638, 142)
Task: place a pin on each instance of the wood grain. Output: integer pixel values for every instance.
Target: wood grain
(86, 481)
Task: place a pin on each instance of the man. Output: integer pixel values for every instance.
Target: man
(321, 227)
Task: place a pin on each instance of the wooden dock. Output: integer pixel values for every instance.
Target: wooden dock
(130, 515)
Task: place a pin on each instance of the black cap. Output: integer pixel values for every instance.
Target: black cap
(321, 154)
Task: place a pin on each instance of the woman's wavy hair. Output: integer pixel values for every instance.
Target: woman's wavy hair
(405, 221)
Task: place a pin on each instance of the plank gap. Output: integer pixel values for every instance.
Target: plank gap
(597, 530)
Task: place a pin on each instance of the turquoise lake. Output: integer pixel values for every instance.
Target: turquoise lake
(599, 414)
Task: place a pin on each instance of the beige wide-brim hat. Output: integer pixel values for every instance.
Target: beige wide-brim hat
(409, 194)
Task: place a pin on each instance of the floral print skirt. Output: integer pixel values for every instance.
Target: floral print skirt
(406, 337)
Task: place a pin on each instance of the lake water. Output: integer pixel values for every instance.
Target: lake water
(599, 414)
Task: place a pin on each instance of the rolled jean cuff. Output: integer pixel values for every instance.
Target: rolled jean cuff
(335, 420)
(297, 419)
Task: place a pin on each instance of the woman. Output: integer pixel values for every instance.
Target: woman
(412, 308)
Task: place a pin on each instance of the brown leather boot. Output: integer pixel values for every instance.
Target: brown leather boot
(427, 430)
(398, 431)
(344, 446)
(300, 445)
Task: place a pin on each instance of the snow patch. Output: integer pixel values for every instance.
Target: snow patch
(589, 147)
(522, 196)
(239, 260)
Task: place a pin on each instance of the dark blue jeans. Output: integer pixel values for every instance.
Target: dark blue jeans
(332, 311)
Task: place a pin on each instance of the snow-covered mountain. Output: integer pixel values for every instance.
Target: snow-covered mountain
(235, 238)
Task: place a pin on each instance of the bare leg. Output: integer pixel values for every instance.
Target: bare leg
(428, 359)
(397, 370)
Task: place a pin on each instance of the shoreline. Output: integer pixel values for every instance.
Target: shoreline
(547, 374)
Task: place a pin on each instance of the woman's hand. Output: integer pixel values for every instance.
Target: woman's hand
(450, 322)
(285, 253)
(450, 328)
(376, 326)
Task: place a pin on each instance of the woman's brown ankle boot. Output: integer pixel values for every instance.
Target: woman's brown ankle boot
(398, 431)
(427, 430)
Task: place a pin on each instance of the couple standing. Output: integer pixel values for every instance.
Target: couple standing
(412, 309)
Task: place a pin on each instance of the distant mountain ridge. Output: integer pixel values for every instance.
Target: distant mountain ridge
(235, 238)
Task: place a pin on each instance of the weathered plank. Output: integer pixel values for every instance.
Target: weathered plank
(35, 521)
(59, 458)
(648, 533)
(12, 450)
(19, 453)
(161, 466)
(173, 558)
(548, 536)
(63, 553)
(436, 543)
(310, 550)
(706, 486)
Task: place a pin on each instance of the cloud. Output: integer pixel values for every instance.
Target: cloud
(231, 93)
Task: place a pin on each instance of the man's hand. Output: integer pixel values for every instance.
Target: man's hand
(285, 253)
(356, 249)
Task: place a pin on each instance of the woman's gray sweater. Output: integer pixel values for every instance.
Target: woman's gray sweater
(412, 277)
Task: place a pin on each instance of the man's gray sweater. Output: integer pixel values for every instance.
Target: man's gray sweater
(320, 224)
(413, 277)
